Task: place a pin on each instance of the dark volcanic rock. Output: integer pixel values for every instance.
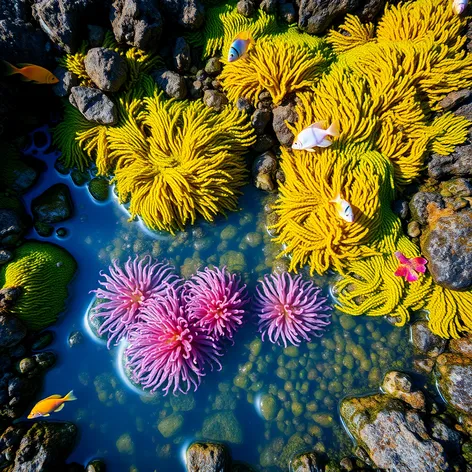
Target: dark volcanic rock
(12, 331)
(207, 457)
(282, 114)
(182, 55)
(447, 245)
(269, 6)
(263, 143)
(53, 205)
(94, 105)
(425, 341)
(137, 23)
(455, 381)
(13, 221)
(394, 437)
(264, 170)
(5, 256)
(67, 80)
(61, 20)
(187, 13)
(106, 68)
(458, 163)
(260, 119)
(419, 203)
(40, 446)
(172, 83)
(288, 13)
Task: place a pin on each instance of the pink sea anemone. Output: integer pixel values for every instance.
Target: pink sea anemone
(216, 299)
(167, 349)
(125, 291)
(290, 309)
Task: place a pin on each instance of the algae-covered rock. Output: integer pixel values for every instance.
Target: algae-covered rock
(53, 205)
(455, 381)
(96, 465)
(171, 425)
(462, 346)
(234, 261)
(306, 462)
(223, 426)
(125, 444)
(294, 446)
(43, 272)
(99, 189)
(394, 437)
(399, 385)
(207, 457)
(420, 202)
(268, 407)
(182, 402)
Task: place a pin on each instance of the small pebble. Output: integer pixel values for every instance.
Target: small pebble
(75, 338)
(414, 229)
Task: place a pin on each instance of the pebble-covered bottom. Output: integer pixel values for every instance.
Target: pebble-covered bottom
(267, 403)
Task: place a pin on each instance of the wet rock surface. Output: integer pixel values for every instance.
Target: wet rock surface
(13, 221)
(106, 68)
(12, 330)
(307, 462)
(207, 457)
(67, 80)
(447, 244)
(455, 381)
(394, 436)
(400, 385)
(462, 346)
(137, 23)
(94, 105)
(187, 13)
(172, 83)
(425, 341)
(419, 205)
(458, 163)
(39, 446)
(53, 205)
(264, 170)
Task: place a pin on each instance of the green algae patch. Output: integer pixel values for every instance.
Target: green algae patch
(43, 272)
(223, 426)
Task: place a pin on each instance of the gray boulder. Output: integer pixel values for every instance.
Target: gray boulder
(137, 23)
(53, 205)
(182, 55)
(419, 205)
(215, 100)
(172, 83)
(187, 13)
(67, 80)
(447, 246)
(264, 170)
(282, 114)
(106, 68)
(458, 163)
(94, 105)
(425, 341)
(208, 457)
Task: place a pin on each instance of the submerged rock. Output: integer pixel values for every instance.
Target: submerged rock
(223, 426)
(455, 381)
(208, 457)
(394, 437)
(306, 462)
(458, 163)
(12, 330)
(264, 170)
(425, 341)
(107, 69)
(94, 105)
(182, 55)
(399, 385)
(99, 188)
(447, 246)
(67, 80)
(215, 99)
(53, 205)
(171, 425)
(172, 83)
(96, 465)
(419, 203)
(188, 13)
(137, 23)
(13, 221)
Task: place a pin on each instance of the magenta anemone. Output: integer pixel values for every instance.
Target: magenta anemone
(290, 309)
(167, 349)
(216, 299)
(125, 291)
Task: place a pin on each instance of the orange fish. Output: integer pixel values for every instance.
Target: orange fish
(31, 73)
(48, 405)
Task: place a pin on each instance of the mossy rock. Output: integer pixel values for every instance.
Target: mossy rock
(223, 426)
(99, 189)
(43, 271)
(171, 425)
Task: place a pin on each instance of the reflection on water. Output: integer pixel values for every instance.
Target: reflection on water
(267, 403)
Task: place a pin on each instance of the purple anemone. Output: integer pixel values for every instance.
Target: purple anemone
(216, 299)
(167, 349)
(125, 291)
(290, 309)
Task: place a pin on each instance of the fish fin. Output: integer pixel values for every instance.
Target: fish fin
(59, 408)
(52, 396)
(318, 125)
(10, 69)
(47, 414)
(325, 143)
(333, 130)
(310, 150)
(402, 258)
(25, 64)
(25, 79)
(70, 396)
(336, 199)
(245, 36)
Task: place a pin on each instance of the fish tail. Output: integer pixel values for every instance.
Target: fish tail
(250, 38)
(70, 396)
(336, 199)
(333, 130)
(10, 69)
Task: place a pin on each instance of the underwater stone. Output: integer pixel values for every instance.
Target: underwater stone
(42, 340)
(268, 407)
(26, 365)
(13, 221)
(182, 55)
(260, 120)
(455, 381)
(425, 341)
(215, 100)
(99, 189)
(413, 229)
(394, 436)
(172, 83)
(171, 425)
(446, 246)
(137, 23)
(458, 163)
(94, 105)
(213, 66)
(53, 205)
(234, 261)
(287, 13)
(399, 385)
(182, 402)
(207, 457)
(107, 69)
(419, 202)
(243, 104)
(263, 171)
(306, 462)
(96, 465)
(269, 6)
(263, 143)
(45, 360)
(461, 346)
(75, 338)
(80, 177)
(454, 99)
(67, 80)
(12, 331)
(125, 444)
(5, 256)
(196, 89)
(43, 229)
(223, 426)
(246, 8)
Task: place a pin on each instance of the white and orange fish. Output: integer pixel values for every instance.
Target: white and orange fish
(240, 45)
(459, 6)
(50, 404)
(31, 73)
(315, 136)
(409, 268)
(343, 208)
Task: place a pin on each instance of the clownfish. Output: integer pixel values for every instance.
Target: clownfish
(240, 46)
(343, 208)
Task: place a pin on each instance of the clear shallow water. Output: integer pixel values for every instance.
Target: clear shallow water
(121, 425)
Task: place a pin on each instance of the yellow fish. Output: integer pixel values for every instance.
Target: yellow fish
(48, 405)
(31, 73)
(240, 45)
(343, 208)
